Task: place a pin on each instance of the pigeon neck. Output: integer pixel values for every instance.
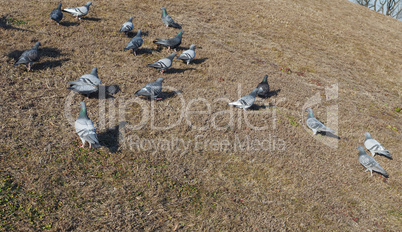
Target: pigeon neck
(265, 79)
(59, 7)
(83, 113)
(164, 13)
(36, 46)
(310, 115)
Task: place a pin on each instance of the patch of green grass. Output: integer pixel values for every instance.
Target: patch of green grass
(292, 120)
(17, 22)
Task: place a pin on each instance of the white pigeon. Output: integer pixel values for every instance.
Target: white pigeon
(375, 147)
(86, 129)
(87, 83)
(246, 101)
(79, 11)
(127, 26)
(370, 163)
(188, 55)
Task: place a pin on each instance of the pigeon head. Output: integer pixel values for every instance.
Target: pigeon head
(368, 136)
(59, 7)
(160, 79)
(192, 47)
(172, 55)
(361, 150)
(180, 33)
(254, 92)
(94, 72)
(83, 111)
(130, 19)
(265, 78)
(37, 44)
(88, 4)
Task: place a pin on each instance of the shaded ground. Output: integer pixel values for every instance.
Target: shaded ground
(163, 167)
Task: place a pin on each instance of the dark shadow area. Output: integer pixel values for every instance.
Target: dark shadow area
(175, 70)
(91, 19)
(143, 51)
(258, 107)
(270, 94)
(328, 134)
(132, 34)
(105, 92)
(163, 95)
(49, 64)
(43, 52)
(110, 138)
(69, 24)
(198, 61)
(4, 24)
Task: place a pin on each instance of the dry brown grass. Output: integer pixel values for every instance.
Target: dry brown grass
(47, 182)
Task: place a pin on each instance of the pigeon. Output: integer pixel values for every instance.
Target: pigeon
(79, 11)
(167, 20)
(127, 26)
(56, 14)
(151, 90)
(316, 125)
(263, 88)
(375, 147)
(170, 43)
(135, 43)
(85, 128)
(188, 55)
(370, 163)
(29, 56)
(163, 64)
(87, 83)
(246, 101)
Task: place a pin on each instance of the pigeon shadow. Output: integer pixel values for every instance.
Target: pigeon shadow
(258, 107)
(199, 61)
(328, 134)
(49, 64)
(143, 51)
(4, 24)
(163, 95)
(110, 138)
(271, 94)
(132, 34)
(102, 93)
(69, 24)
(91, 19)
(43, 52)
(175, 70)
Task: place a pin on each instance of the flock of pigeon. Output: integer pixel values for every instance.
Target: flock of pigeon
(89, 83)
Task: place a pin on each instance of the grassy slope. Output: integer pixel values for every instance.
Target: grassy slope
(48, 182)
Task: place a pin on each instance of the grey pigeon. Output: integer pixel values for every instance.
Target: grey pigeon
(188, 55)
(85, 128)
(127, 26)
(79, 11)
(370, 163)
(29, 56)
(163, 64)
(375, 147)
(167, 20)
(151, 90)
(246, 101)
(135, 43)
(316, 125)
(263, 88)
(87, 83)
(170, 43)
(56, 14)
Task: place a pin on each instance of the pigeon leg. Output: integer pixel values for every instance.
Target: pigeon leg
(29, 66)
(168, 48)
(134, 53)
(162, 70)
(371, 172)
(82, 146)
(159, 98)
(90, 146)
(167, 26)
